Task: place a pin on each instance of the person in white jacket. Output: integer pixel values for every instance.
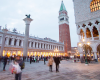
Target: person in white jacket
(50, 63)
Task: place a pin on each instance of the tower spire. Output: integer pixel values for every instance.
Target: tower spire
(62, 7)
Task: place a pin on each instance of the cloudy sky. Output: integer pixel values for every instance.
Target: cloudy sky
(44, 14)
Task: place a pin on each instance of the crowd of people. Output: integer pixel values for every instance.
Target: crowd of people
(18, 61)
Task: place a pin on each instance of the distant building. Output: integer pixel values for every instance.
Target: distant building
(87, 19)
(74, 51)
(36, 46)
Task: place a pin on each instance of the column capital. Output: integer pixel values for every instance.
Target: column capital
(28, 20)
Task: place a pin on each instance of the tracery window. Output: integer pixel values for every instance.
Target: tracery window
(95, 5)
(90, 24)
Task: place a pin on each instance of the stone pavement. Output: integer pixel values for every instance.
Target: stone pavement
(67, 71)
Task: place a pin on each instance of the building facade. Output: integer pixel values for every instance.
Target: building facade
(87, 19)
(64, 31)
(14, 42)
(36, 46)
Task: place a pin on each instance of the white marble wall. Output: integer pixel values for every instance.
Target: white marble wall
(82, 11)
(17, 42)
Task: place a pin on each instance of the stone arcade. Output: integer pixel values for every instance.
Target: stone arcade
(87, 17)
(36, 46)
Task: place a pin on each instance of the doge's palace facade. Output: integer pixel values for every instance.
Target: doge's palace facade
(87, 19)
(36, 46)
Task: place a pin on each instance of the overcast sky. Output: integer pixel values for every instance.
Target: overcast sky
(44, 14)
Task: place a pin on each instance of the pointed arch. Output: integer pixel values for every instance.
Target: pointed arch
(88, 33)
(95, 32)
(98, 49)
(82, 33)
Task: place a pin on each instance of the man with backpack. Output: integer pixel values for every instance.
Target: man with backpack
(4, 62)
(22, 65)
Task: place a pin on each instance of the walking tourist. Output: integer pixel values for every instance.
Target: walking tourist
(22, 65)
(50, 63)
(8, 60)
(30, 59)
(44, 60)
(38, 58)
(34, 58)
(57, 62)
(4, 62)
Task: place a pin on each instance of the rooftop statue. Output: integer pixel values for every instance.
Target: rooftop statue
(28, 16)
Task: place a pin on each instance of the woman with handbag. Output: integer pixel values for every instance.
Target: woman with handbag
(50, 63)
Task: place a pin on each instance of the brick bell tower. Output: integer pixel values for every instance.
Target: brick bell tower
(64, 32)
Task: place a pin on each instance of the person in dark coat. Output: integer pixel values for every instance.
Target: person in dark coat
(4, 62)
(30, 59)
(57, 62)
(44, 60)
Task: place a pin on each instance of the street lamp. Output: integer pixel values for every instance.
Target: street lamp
(56, 51)
(85, 47)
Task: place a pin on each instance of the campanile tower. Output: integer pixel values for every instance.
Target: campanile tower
(64, 32)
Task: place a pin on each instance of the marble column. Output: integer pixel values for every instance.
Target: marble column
(95, 56)
(30, 44)
(40, 46)
(17, 42)
(3, 41)
(48, 46)
(33, 44)
(92, 34)
(7, 41)
(79, 37)
(80, 49)
(43, 45)
(12, 41)
(36, 44)
(21, 42)
(25, 47)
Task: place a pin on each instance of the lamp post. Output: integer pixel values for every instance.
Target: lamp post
(85, 47)
(56, 50)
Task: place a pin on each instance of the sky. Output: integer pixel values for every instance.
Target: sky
(44, 14)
